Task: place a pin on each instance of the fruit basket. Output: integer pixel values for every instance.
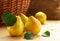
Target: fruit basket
(14, 6)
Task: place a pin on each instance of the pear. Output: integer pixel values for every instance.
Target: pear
(33, 25)
(17, 29)
(24, 18)
(42, 17)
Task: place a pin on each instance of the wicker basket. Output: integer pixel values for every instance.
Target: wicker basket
(14, 6)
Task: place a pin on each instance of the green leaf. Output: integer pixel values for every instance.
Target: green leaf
(46, 34)
(29, 35)
(8, 18)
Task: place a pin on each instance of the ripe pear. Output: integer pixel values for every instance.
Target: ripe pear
(33, 25)
(41, 17)
(17, 29)
(24, 18)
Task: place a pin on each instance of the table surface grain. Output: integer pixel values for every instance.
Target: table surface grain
(52, 26)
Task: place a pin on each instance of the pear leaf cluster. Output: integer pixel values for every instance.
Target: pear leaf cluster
(8, 18)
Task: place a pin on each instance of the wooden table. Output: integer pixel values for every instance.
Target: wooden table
(52, 26)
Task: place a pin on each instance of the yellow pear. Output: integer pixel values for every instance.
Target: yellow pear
(41, 17)
(24, 18)
(33, 25)
(17, 29)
